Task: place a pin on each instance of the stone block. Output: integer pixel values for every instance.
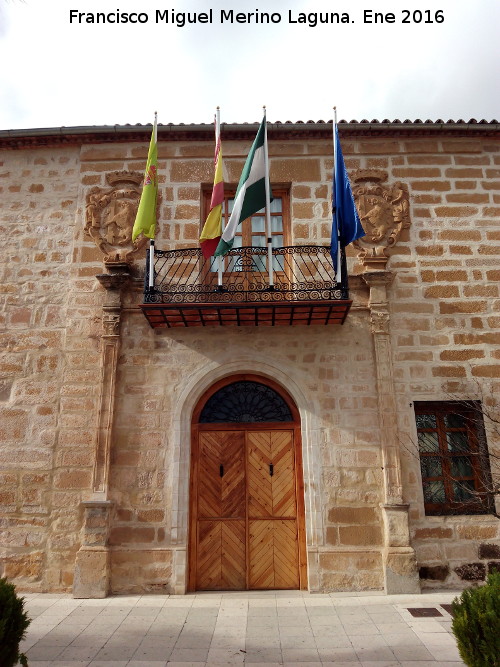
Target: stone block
(151, 516)
(303, 210)
(489, 551)
(331, 536)
(471, 571)
(396, 525)
(461, 355)
(132, 535)
(186, 212)
(487, 371)
(460, 250)
(301, 170)
(191, 171)
(434, 572)
(388, 146)
(301, 192)
(353, 515)
(338, 581)
(429, 186)
(24, 567)
(449, 371)
(14, 424)
(360, 535)
(477, 532)
(369, 581)
(74, 479)
(91, 575)
(401, 572)
(186, 193)
(438, 533)
(441, 292)
(141, 571)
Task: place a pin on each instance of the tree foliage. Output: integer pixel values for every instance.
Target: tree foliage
(476, 624)
(13, 624)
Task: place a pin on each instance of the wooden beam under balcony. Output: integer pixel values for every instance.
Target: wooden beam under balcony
(168, 315)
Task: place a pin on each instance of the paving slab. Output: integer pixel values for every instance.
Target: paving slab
(255, 629)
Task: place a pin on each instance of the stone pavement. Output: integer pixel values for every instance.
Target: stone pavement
(265, 629)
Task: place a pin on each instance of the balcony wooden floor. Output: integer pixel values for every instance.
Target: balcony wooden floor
(271, 314)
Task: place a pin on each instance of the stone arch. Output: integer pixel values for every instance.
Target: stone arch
(188, 398)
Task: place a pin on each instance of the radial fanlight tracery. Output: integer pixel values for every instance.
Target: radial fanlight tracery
(245, 402)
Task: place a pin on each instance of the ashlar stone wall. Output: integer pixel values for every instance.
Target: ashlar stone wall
(354, 392)
(446, 331)
(39, 494)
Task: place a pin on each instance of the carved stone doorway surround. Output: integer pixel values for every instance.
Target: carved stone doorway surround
(92, 565)
(400, 566)
(187, 399)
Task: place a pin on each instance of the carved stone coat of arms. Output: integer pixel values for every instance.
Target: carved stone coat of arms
(110, 215)
(384, 213)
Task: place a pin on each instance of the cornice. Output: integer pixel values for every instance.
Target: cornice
(75, 136)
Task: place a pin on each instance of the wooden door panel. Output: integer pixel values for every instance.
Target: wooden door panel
(286, 560)
(221, 491)
(271, 495)
(245, 508)
(261, 556)
(283, 478)
(273, 554)
(209, 570)
(221, 555)
(260, 487)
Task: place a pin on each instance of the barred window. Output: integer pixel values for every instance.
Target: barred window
(453, 457)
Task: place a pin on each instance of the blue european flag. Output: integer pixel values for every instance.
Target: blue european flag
(346, 226)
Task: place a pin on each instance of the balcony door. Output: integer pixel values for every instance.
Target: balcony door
(248, 270)
(247, 527)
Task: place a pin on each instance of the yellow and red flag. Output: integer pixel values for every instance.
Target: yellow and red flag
(212, 229)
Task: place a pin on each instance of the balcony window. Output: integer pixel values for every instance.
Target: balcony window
(252, 231)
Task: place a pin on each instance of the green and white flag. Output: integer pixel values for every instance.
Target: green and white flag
(251, 193)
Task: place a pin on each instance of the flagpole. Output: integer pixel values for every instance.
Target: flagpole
(268, 205)
(217, 140)
(152, 241)
(338, 268)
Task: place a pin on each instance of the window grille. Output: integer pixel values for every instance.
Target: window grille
(453, 457)
(245, 402)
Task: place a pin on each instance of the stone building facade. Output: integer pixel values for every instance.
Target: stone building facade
(97, 408)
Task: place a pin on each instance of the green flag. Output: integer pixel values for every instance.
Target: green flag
(251, 193)
(145, 220)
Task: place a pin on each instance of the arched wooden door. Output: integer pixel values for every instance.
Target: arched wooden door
(247, 500)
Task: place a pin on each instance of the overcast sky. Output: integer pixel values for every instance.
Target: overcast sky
(56, 73)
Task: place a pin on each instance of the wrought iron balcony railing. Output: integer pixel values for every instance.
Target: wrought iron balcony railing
(197, 291)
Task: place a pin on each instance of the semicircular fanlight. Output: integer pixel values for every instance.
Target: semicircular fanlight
(245, 402)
